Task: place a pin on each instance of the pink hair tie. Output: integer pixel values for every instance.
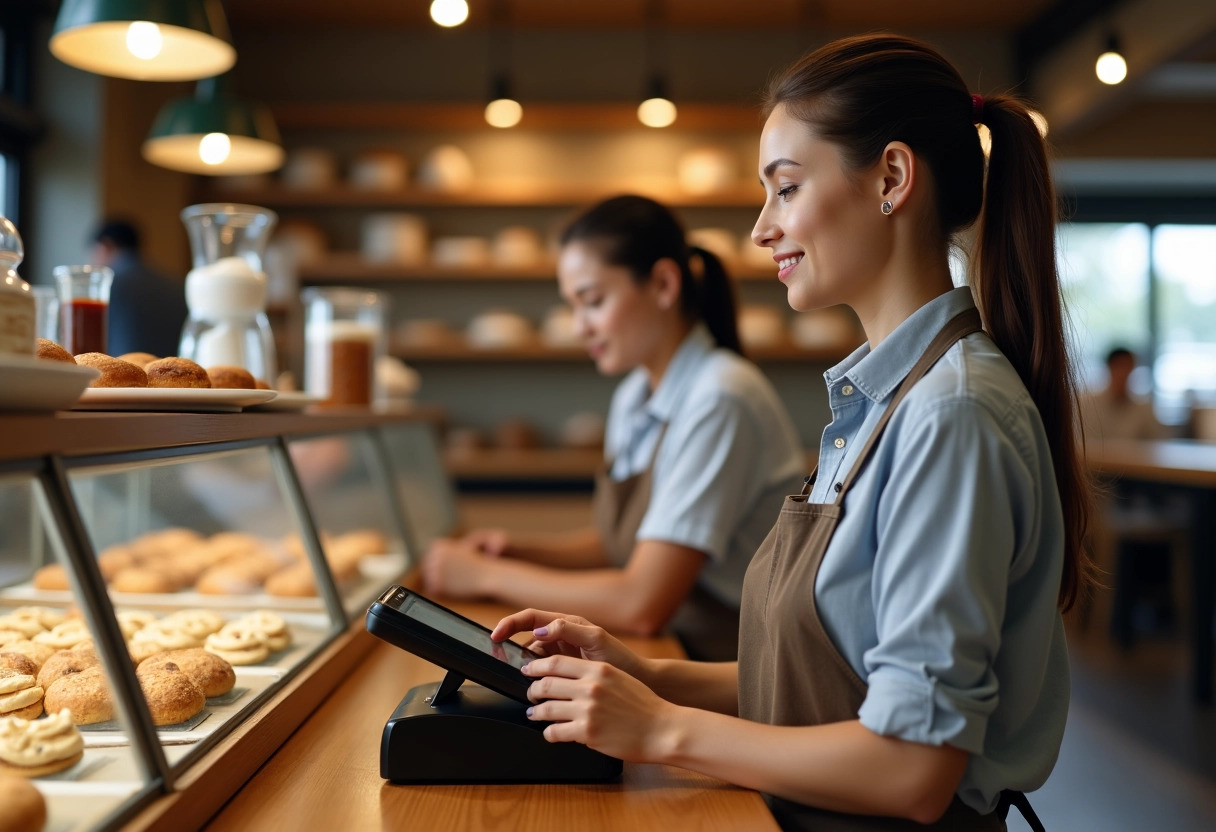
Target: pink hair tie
(977, 109)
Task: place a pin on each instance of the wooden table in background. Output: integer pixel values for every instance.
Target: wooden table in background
(1188, 468)
(327, 776)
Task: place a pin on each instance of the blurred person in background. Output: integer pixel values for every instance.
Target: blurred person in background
(1112, 412)
(147, 308)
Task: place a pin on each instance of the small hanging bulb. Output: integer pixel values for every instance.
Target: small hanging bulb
(657, 110)
(144, 39)
(449, 13)
(503, 110)
(214, 148)
(1111, 67)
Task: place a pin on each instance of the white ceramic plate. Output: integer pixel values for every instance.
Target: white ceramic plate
(39, 384)
(288, 401)
(171, 398)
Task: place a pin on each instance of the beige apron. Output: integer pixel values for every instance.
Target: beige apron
(790, 672)
(707, 628)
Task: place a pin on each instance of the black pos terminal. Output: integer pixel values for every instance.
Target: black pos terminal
(448, 732)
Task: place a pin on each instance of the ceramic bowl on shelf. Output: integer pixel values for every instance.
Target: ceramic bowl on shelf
(460, 252)
(309, 169)
(500, 329)
(378, 170)
(557, 330)
(395, 238)
(446, 168)
(425, 333)
(706, 170)
(761, 325)
(517, 246)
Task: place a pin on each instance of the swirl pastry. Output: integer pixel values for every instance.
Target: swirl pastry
(271, 627)
(33, 748)
(237, 644)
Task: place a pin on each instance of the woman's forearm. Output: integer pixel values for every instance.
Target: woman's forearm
(578, 549)
(711, 686)
(843, 766)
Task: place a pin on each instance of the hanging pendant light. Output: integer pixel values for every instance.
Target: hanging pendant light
(503, 110)
(657, 110)
(1111, 66)
(144, 40)
(214, 134)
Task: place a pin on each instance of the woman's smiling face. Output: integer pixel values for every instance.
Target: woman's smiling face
(821, 222)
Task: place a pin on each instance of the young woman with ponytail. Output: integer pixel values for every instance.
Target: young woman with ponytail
(699, 448)
(901, 655)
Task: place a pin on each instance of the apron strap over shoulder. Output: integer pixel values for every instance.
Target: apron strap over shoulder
(959, 327)
(1012, 798)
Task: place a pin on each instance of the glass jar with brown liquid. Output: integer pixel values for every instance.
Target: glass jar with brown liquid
(344, 336)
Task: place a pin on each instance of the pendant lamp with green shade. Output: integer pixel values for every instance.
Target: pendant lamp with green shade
(144, 40)
(214, 134)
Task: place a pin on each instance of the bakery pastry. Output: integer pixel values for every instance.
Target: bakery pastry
(85, 695)
(139, 359)
(141, 579)
(231, 377)
(272, 629)
(114, 373)
(171, 694)
(48, 617)
(260, 384)
(38, 652)
(26, 625)
(18, 662)
(24, 806)
(39, 747)
(132, 621)
(237, 644)
(65, 636)
(292, 582)
(212, 674)
(167, 635)
(50, 351)
(176, 372)
(197, 623)
(51, 576)
(228, 579)
(65, 663)
(20, 695)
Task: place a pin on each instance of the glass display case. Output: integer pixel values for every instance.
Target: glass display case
(423, 487)
(165, 594)
(67, 719)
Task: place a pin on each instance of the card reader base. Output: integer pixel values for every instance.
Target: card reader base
(474, 735)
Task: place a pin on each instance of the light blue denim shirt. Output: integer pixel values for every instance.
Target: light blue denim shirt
(729, 456)
(939, 585)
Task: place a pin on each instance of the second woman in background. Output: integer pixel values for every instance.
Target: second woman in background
(699, 449)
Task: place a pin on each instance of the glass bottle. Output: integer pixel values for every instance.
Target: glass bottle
(16, 301)
(226, 289)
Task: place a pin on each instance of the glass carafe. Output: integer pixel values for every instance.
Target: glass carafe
(226, 289)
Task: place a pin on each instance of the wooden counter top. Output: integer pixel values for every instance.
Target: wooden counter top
(1172, 461)
(327, 776)
(86, 433)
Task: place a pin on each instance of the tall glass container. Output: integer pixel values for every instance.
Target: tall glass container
(16, 302)
(226, 289)
(343, 338)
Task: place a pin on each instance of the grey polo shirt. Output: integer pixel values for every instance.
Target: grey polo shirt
(727, 460)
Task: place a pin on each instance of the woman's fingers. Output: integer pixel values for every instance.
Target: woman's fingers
(523, 621)
(556, 687)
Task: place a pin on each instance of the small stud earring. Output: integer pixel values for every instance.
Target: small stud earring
(887, 207)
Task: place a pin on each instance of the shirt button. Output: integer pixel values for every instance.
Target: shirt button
(839, 443)
(839, 487)
(847, 390)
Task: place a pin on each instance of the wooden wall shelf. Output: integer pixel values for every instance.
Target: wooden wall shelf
(442, 116)
(351, 268)
(743, 195)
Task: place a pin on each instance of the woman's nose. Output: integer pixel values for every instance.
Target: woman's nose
(765, 232)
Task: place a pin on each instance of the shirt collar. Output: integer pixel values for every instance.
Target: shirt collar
(877, 373)
(680, 371)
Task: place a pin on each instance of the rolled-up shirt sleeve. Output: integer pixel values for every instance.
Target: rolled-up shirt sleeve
(947, 530)
(706, 476)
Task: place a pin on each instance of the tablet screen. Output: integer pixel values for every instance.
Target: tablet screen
(467, 632)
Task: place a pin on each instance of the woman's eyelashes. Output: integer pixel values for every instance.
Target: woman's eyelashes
(786, 191)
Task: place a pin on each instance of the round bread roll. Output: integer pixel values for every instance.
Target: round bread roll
(176, 372)
(65, 663)
(139, 359)
(114, 373)
(85, 694)
(51, 351)
(139, 579)
(24, 806)
(213, 675)
(172, 696)
(38, 652)
(18, 663)
(51, 576)
(292, 582)
(261, 385)
(228, 579)
(224, 376)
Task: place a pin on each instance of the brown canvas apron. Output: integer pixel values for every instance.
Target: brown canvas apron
(790, 672)
(707, 628)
